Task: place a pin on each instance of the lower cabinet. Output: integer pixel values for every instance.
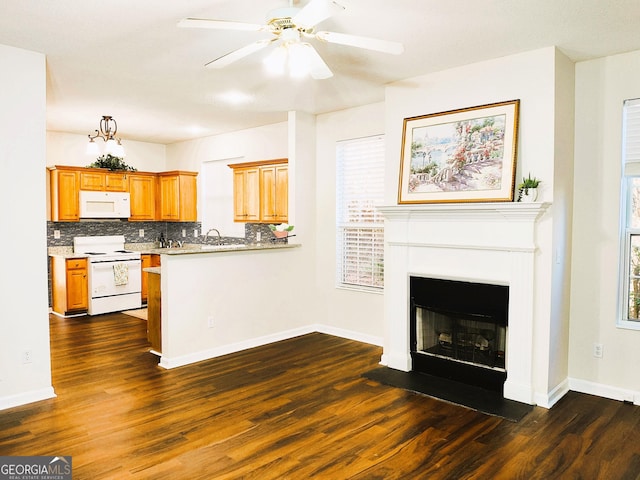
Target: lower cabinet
(70, 288)
(154, 314)
(148, 260)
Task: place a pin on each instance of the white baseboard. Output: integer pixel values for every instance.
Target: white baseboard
(168, 363)
(11, 401)
(174, 362)
(349, 334)
(606, 391)
(549, 399)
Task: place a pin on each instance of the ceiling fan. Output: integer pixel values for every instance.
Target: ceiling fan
(289, 28)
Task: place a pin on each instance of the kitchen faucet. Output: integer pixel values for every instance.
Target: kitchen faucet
(213, 230)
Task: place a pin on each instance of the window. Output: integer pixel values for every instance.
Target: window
(360, 227)
(630, 202)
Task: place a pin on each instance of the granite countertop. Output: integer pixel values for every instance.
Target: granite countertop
(191, 249)
(67, 252)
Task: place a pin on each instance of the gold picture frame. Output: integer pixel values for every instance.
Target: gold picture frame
(466, 155)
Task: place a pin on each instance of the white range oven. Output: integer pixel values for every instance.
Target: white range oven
(115, 274)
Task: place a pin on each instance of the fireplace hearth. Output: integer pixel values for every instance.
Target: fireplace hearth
(458, 331)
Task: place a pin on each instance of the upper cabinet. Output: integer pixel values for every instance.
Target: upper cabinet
(94, 179)
(142, 188)
(246, 194)
(274, 193)
(64, 190)
(261, 191)
(167, 196)
(178, 196)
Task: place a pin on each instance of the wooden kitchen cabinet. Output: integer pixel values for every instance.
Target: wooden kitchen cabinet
(154, 314)
(274, 193)
(148, 260)
(178, 196)
(66, 183)
(142, 188)
(103, 181)
(64, 188)
(261, 191)
(169, 196)
(70, 288)
(246, 196)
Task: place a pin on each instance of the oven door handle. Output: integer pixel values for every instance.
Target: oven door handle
(129, 262)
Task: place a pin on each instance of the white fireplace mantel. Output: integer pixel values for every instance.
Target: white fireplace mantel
(479, 242)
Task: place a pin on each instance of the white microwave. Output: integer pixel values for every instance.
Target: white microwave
(104, 204)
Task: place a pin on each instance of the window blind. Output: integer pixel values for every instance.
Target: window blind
(631, 137)
(360, 227)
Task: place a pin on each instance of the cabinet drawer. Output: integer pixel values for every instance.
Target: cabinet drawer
(75, 263)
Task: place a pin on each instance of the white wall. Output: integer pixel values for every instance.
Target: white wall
(70, 149)
(254, 297)
(534, 78)
(351, 310)
(24, 322)
(601, 87)
(262, 143)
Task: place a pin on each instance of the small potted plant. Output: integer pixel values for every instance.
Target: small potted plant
(528, 189)
(282, 230)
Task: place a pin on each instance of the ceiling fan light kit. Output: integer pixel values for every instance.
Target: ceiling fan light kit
(288, 26)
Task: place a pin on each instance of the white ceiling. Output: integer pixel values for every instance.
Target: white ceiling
(127, 58)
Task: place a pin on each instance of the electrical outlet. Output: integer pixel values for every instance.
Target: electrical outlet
(27, 356)
(195, 233)
(56, 234)
(184, 232)
(258, 236)
(210, 321)
(597, 350)
(141, 232)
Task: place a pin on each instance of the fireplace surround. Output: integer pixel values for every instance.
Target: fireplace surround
(487, 243)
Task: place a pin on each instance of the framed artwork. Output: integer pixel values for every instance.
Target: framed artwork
(466, 155)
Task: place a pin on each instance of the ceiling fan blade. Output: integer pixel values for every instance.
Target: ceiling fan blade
(385, 46)
(219, 24)
(236, 55)
(315, 12)
(318, 69)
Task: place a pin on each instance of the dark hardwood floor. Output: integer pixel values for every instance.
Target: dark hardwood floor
(296, 409)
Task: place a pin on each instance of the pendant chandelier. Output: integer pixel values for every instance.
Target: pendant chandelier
(107, 132)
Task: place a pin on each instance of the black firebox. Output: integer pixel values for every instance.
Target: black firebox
(459, 330)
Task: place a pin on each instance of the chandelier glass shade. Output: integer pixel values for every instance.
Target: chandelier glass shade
(107, 132)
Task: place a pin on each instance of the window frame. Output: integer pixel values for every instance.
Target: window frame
(630, 173)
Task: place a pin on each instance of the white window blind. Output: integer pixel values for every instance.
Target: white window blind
(629, 308)
(631, 137)
(360, 227)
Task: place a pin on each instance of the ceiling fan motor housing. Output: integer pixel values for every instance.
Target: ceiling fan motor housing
(280, 18)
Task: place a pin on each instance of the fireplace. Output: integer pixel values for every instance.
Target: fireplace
(491, 244)
(459, 330)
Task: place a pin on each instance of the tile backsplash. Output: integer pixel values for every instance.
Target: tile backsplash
(66, 231)
(131, 231)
